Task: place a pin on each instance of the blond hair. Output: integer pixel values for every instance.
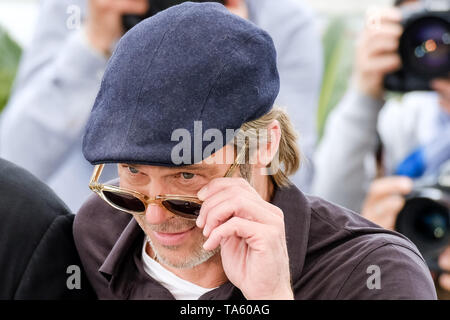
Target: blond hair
(288, 155)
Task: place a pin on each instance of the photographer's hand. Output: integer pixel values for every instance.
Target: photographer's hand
(104, 21)
(251, 234)
(238, 7)
(444, 264)
(376, 52)
(385, 200)
(442, 87)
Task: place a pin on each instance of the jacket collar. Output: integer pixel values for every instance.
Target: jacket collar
(123, 245)
(297, 219)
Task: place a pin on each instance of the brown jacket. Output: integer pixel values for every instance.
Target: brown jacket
(334, 254)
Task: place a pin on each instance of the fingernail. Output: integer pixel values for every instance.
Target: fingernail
(198, 222)
(206, 245)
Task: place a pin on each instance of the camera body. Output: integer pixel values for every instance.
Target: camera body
(155, 6)
(425, 218)
(424, 49)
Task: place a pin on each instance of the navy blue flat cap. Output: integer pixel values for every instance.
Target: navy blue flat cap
(192, 62)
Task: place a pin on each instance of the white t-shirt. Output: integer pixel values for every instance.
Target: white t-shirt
(180, 288)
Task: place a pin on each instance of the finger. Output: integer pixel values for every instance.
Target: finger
(386, 211)
(376, 22)
(376, 17)
(444, 281)
(384, 63)
(445, 104)
(219, 197)
(233, 3)
(442, 87)
(251, 231)
(390, 186)
(248, 209)
(130, 6)
(441, 84)
(443, 95)
(444, 260)
(384, 31)
(390, 14)
(219, 184)
(382, 45)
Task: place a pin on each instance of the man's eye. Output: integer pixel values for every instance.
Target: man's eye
(187, 175)
(133, 170)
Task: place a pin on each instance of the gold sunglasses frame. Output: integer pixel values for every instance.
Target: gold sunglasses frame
(98, 188)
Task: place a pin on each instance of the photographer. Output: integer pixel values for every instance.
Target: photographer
(60, 73)
(366, 138)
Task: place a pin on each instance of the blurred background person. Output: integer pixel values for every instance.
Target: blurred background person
(60, 73)
(374, 147)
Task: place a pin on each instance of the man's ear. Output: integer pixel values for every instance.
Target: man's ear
(238, 7)
(268, 150)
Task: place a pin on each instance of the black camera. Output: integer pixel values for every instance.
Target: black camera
(425, 217)
(155, 6)
(424, 47)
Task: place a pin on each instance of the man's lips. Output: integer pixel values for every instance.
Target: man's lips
(172, 239)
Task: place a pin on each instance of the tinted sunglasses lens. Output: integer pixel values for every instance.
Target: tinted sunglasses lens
(125, 201)
(186, 209)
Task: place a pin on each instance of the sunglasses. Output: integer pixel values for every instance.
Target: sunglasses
(136, 203)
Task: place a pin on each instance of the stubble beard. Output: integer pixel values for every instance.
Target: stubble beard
(197, 255)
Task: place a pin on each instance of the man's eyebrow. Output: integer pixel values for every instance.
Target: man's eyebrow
(192, 167)
(197, 167)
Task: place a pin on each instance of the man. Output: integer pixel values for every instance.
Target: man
(363, 119)
(61, 72)
(38, 257)
(191, 221)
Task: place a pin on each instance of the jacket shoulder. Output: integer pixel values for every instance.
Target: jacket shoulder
(36, 241)
(345, 251)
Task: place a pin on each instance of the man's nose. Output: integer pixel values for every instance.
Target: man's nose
(156, 213)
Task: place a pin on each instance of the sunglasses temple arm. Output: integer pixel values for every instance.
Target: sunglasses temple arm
(96, 174)
(240, 157)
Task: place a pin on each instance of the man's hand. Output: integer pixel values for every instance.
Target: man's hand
(444, 264)
(442, 87)
(385, 200)
(251, 234)
(104, 21)
(376, 51)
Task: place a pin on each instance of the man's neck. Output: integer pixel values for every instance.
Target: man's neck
(263, 184)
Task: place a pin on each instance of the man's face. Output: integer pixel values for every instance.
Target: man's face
(176, 241)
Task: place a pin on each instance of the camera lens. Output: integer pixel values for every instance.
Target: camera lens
(426, 46)
(425, 222)
(433, 225)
